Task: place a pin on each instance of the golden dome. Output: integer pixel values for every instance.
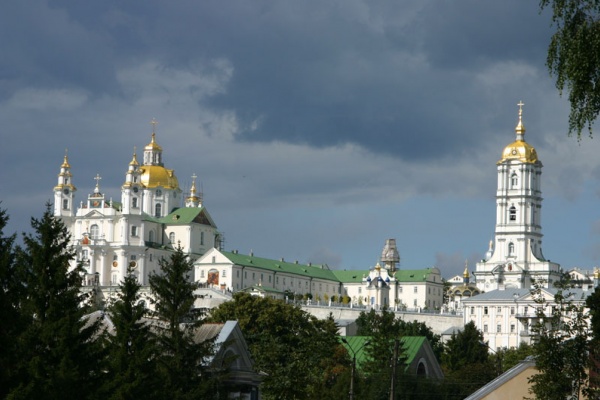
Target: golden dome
(519, 150)
(155, 175)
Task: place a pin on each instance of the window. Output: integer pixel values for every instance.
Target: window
(201, 238)
(472, 310)
(512, 328)
(114, 279)
(134, 202)
(133, 258)
(415, 302)
(214, 259)
(416, 289)
(84, 254)
(512, 213)
(511, 249)
(499, 310)
(498, 328)
(157, 210)
(94, 231)
(514, 180)
(65, 204)
(400, 289)
(512, 311)
(253, 276)
(485, 310)
(224, 273)
(172, 237)
(485, 328)
(134, 230)
(237, 273)
(525, 310)
(201, 273)
(150, 255)
(359, 290)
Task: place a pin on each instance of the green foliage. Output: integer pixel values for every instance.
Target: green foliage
(574, 58)
(295, 349)
(12, 323)
(466, 362)
(511, 357)
(132, 348)
(181, 359)
(58, 356)
(561, 349)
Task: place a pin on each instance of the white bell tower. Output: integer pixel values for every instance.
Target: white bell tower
(515, 257)
(64, 191)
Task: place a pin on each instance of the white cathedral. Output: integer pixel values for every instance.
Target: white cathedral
(514, 258)
(148, 223)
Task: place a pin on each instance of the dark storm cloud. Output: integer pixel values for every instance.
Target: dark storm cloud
(321, 74)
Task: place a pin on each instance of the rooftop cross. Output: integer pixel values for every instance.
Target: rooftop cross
(154, 122)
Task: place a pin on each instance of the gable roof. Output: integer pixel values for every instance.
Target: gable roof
(410, 347)
(188, 215)
(413, 275)
(314, 271)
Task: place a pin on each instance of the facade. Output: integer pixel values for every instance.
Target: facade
(378, 287)
(506, 317)
(152, 218)
(514, 258)
(458, 293)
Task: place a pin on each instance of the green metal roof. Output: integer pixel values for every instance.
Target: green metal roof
(413, 275)
(350, 276)
(188, 215)
(261, 288)
(410, 347)
(313, 271)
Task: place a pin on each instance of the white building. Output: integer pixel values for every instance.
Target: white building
(515, 257)
(506, 317)
(152, 218)
(377, 287)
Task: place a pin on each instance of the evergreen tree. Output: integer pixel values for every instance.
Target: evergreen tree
(593, 304)
(132, 347)
(59, 357)
(182, 360)
(11, 325)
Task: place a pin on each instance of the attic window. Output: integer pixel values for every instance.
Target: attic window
(175, 217)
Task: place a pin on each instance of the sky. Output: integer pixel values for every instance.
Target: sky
(317, 129)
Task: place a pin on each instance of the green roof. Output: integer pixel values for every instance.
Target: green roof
(410, 347)
(350, 276)
(188, 215)
(313, 271)
(261, 288)
(413, 275)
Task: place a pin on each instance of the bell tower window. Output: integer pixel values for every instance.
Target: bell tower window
(157, 210)
(134, 202)
(94, 231)
(514, 180)
(512, 213)
(511, 249)
(65, 204)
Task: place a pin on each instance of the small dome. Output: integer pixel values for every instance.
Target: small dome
(153, 145)
(155, 175)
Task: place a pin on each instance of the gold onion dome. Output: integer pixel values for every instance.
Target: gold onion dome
(134, 160)
(155, 175)
(520, 149)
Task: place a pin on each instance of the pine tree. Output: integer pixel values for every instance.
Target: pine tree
(58, 354)
(132, 348)
(182, 360)
(9, 307)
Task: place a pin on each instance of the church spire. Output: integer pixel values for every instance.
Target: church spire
(64, 191)
(193, 200)
(520, 129)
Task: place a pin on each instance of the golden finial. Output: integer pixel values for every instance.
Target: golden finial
(134, 160)
(154, 122)
(466, 272)
(596, 273)
(65, 163)
(520, 129)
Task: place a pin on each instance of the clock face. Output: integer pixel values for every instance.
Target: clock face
(135, 189)
(66, 191)
(514, 151)
(158, 192)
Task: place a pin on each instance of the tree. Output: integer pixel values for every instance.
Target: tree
(574, 58)
(10, 291)
(466, 362)
(58, 354)
(132, 347)
(294, 349)
(561, 349)
(182, 360)
(593, 304)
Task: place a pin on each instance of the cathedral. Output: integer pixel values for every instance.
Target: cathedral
(152, 218)
(514, 258)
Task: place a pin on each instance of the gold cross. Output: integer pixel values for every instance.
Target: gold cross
(154, 122)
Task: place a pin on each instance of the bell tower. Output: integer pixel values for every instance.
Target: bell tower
(515, 256)
(64, 191)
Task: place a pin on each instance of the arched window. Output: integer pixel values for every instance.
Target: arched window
(94, 231)
(151, 236)
(514, 180)
(511, 249)
(172, 237)
(134, 202)
(157, 210)
(512, 213)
